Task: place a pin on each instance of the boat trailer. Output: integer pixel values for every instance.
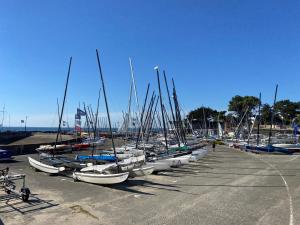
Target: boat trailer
(7, 183)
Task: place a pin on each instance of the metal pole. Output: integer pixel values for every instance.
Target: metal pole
(259, 120)
(63, 105)
(96, 119)
(25, 123)
(107, 110)
(177, 108)
(272, 116)
(171, 107)
(161, 106)
(142, 115)
(152, 119)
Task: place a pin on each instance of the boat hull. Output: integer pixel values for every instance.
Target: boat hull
(174, 162)
(159, 166)
(56, 150)
(44, 167)
(184, 160)
(96, 178)
(198, 154)
(269, 150)
(141, 171)
(5, 155)
(107, 158)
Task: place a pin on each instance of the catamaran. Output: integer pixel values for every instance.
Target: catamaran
(51, 163)
(108, 174)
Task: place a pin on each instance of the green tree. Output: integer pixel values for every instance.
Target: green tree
(239, 104)
(266, 114)
(242, 105)
(285, 111)
(203, 114)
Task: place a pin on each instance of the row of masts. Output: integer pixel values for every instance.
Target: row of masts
(145, 120)
(258, 118)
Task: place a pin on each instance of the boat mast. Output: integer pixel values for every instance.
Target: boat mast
(106, 105)
(58, 117)
(142, 115)
(3, 112)
(135, 94)
(128, 115)
(178, 115)
(272, 116)
(259, 120)
(95, 121)
(63, 105)
(147, 113)
(87, 121)
(97, 112)
(161, 106)
(172, 112)
(236, 132)
(204, 122)
(152, 119)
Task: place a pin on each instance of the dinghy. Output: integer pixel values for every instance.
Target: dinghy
(100, 178)
(81, 146)
(141, 171)
(98, 168)
(45, 167)
(198, 154)
(184, 160)
(174, 162)
(108, 158)
(295, 147)
(268, 149)
(5, 155)
(51, 148)
(159, 165)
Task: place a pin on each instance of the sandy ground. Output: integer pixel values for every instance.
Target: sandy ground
(226, 187)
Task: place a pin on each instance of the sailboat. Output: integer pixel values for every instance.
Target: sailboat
(5, 155)
(107, 174)
(270, 148)
(56, 164)
(176, 151)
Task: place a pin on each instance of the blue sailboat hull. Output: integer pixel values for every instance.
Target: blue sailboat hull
(269, 149)
(97, 157)
(5, 155)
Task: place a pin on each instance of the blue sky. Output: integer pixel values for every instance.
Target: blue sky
(213, 49)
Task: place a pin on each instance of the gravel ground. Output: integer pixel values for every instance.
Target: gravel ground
(226, 187)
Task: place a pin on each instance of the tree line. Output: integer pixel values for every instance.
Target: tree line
(246, 107)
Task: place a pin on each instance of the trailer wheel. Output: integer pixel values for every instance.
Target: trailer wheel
(25, 194)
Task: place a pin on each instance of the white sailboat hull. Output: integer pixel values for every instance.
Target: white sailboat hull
(173, 162)
(98, 178)
(44, 167)
(288, 146)
(198, 154)
(184, 160)
(126, 168)
(98, 168)
(142, 171)
(159, 165)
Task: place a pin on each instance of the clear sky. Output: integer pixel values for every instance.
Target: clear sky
(213, 49)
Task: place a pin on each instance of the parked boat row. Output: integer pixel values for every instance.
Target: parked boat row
(145, 153)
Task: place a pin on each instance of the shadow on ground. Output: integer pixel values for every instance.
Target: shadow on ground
(13, 203)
